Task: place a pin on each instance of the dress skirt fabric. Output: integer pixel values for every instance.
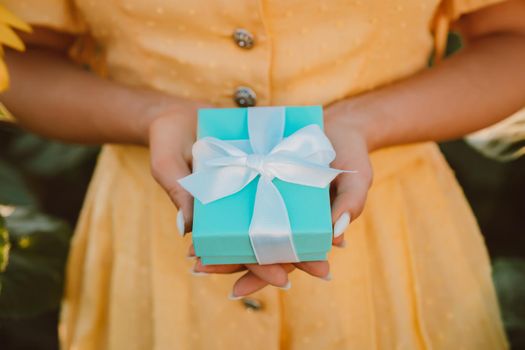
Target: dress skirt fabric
(415, 273)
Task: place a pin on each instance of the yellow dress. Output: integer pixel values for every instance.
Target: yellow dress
(415, 273)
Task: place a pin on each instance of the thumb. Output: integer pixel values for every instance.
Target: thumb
(170, 140)
(167, 173)
(350, 196)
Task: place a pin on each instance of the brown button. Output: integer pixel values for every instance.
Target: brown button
(243, 38)
(245, 97)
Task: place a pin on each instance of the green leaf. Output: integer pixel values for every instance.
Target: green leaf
(13, 189)
(454, 43)
(4, 246)
(33, 280)
(509, 279)
(43, 157)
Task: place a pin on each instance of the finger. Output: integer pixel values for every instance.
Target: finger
(274, 274)
(319, 269)
(191, 251)
(350, 196)
(199, 268)
(248, 283)
(338, 237)
(349, 190)
(288, 267)
(168, 165)
(340, 226)
(167, 172)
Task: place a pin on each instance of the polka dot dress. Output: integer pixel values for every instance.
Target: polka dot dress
(415, 272)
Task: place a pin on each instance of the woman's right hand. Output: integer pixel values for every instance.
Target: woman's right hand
(171, 131)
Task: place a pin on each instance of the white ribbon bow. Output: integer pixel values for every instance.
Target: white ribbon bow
(223, 168)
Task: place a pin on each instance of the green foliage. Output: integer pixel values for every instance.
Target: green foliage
(4, 247)
(40, 157)
(454, 44)
(33, 280)
(509, 279)
(13, 188)
(40, 180)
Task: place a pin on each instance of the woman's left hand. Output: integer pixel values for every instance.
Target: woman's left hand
(349, 194)
(352, 145)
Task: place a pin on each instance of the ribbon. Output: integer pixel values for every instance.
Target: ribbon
(223, 168)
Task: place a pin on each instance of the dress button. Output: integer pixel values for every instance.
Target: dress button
(243, 38)
(252, 304)
(245, 97)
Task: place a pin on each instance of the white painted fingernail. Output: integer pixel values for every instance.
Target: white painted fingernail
(287, 286)
(327, 277)
(180, 223)
(341, 224)
(197, 273)
(234, 297)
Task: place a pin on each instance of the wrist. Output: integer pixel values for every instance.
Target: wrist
(365, 115)
(158, 106)
(154, 105)
(359, 116)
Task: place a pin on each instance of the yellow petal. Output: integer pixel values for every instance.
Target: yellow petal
(4, 76)
(5, 115)
(10, 19)
(9, 38)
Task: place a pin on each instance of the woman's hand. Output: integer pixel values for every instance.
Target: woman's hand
(259, 276)
(170, 133)
(352, 145)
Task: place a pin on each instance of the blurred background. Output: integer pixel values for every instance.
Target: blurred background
(43, 183)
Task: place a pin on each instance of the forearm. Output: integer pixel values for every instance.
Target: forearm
(475, 88)
(55, 98)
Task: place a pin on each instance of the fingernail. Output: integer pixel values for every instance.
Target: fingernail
(341, 224)
(191, 257)
(341, 245)
(180, 223)
(287, 286)
(327, 277)
(198, 273)
(234, 297)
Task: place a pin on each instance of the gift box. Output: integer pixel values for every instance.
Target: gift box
(222, 227)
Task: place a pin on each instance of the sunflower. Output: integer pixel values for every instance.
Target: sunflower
(8, 37)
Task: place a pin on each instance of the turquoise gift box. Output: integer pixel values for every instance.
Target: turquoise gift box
(220, 228)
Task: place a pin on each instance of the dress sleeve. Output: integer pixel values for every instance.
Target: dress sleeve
(448, 11)
(60, 15)
(457, 8)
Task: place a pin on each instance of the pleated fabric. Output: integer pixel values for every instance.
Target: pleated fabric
(415, 273)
